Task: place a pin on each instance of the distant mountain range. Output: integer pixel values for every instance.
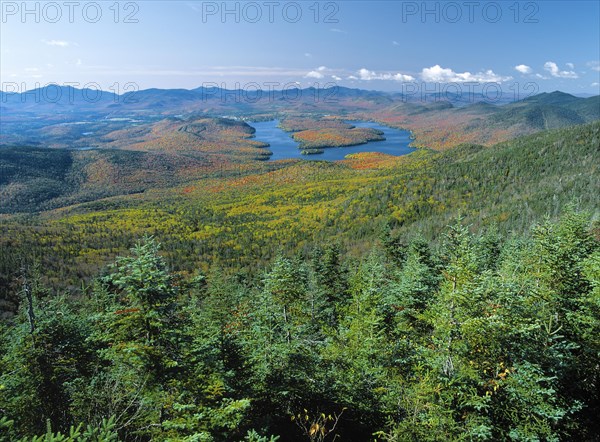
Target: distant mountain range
(63, 116)
(67, 99)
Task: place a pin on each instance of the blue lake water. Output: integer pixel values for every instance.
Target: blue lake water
(284, 147)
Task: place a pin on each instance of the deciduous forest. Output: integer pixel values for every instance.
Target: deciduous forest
(173, 285)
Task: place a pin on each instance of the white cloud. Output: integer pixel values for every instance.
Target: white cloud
(594, 65)
(352, 77)
(595, 84)
(61, 43)
(308, 55)
(445, 75)
(551, 67)
(400, 77)
(541, 77)
(317, 73)
(314, 74)
(365, 74)
(570, 65)
(523, 68)
(336, 78)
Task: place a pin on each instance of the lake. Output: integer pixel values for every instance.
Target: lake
(284, 147)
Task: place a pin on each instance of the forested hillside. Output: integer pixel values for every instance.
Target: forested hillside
(240, 221)
(441, 126)
(446, 295)
(486, 337)
(435, 296)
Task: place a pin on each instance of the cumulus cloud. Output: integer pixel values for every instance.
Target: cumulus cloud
(336, 78)
(439, 74)
(317, 73)
(552, 67)
(365, 74)
(61, 43)
(314, 74)
(523, 68)
(570, 65)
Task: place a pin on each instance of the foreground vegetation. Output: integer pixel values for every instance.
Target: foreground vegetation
(435, 296)
(482, 338)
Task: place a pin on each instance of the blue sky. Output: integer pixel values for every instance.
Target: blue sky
(521, 46)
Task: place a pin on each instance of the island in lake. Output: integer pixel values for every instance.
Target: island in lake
(327, 138)
(317, 133)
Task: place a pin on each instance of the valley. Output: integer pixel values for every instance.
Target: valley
(229, 214)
